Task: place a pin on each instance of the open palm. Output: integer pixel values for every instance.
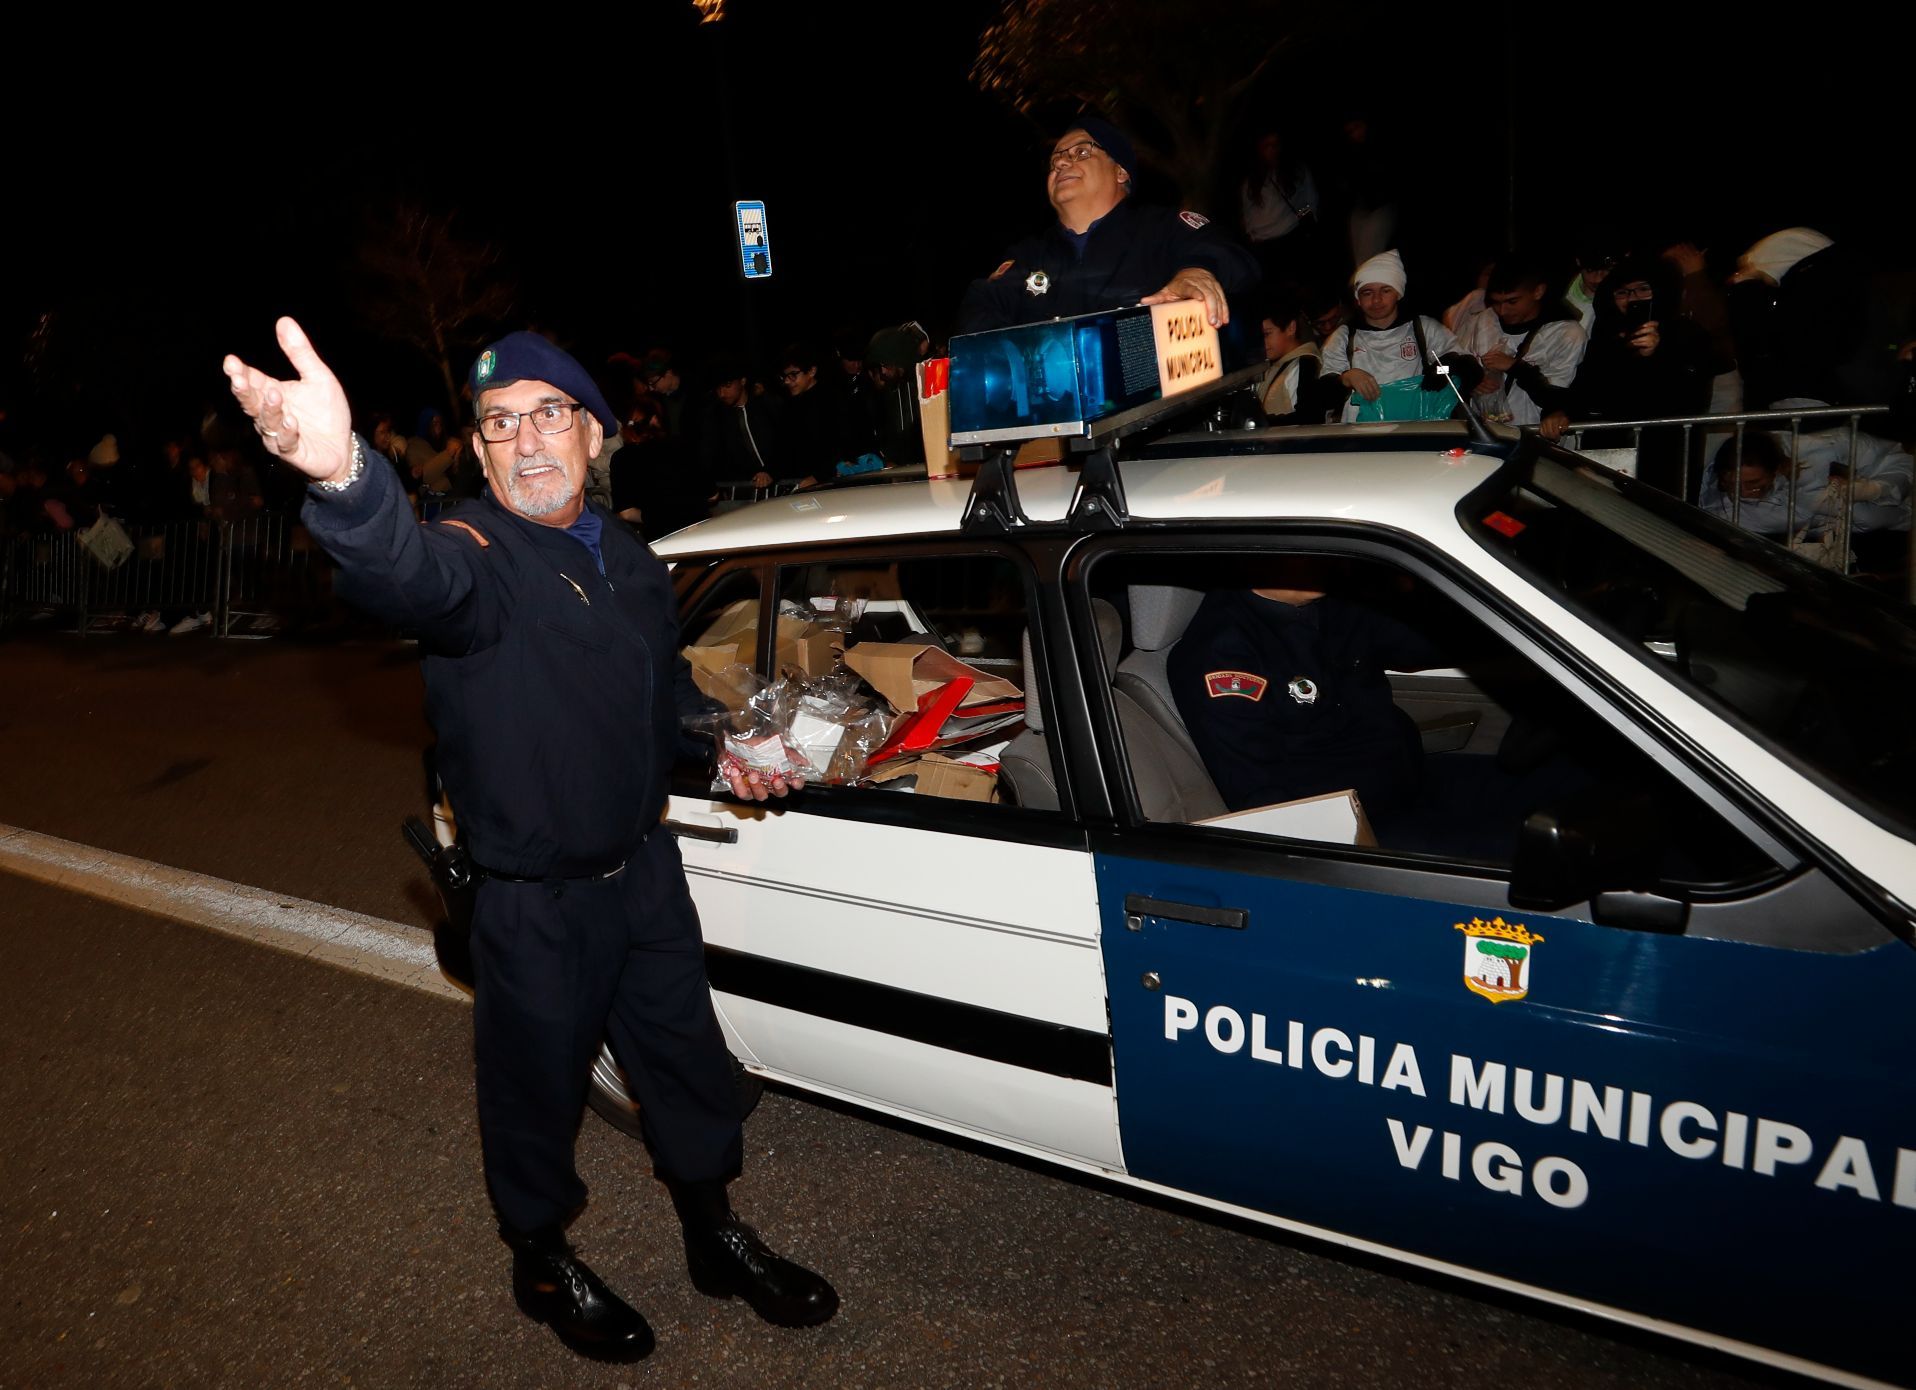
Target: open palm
(304, 421)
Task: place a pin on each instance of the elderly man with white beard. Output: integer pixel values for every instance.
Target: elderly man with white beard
(550, 644)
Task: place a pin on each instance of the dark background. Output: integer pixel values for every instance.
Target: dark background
(173, 189)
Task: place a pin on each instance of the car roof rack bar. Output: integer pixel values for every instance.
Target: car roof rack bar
(993, 507)
(1098, 502)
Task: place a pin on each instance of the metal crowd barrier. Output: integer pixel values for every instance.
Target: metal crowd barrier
(259, 566)
(1697, 433)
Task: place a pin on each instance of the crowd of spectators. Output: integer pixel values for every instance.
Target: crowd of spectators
(1626, 327)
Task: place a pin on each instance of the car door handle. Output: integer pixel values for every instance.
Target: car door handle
(1137, 905)
(711, 834)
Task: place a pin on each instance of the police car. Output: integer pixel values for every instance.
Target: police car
(1649, 1060)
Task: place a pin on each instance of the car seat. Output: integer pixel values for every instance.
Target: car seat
(1169, 777)
(1024, 768)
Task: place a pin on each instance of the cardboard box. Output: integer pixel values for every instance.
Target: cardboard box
(941, 776)
(731, 620)
(934, 418)
(905, 672)
(807, 647)
(732, 640)
(713, 672)
(1335, 818)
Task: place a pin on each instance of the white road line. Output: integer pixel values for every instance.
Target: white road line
(350, 940)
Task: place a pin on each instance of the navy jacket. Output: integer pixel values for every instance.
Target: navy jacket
(1134, 250)
(1287, 702)
(556, 690)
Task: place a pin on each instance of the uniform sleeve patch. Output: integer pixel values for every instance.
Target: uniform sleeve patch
(470, 530)
(1241, 683)
(1194, 220)
(1001, 271)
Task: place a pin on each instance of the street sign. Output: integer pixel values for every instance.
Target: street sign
(754, 246)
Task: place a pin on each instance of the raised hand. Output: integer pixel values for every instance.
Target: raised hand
(304, 421)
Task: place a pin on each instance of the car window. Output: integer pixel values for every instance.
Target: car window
(890, 675)
(1815, 665)
(1338, 699)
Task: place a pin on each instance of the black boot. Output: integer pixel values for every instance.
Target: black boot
(553, 1286)
(727, 1258)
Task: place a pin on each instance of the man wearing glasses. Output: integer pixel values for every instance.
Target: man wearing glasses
(1106, 250)
(550, 648)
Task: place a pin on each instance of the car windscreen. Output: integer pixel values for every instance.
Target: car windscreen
(1818, 666)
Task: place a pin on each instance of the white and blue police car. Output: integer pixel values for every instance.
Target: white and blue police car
(1647, 1055)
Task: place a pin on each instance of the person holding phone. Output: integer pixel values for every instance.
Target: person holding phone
(1645, 361)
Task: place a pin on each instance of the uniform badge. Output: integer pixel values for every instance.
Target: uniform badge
(1194, 220)
(1408, 350)
(1037, 282)
(1302, 689)
(1241, 683)
(487, 364)
(999, 273)
(1497, 958)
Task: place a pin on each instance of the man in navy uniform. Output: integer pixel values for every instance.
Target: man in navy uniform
(1106, 250)
(550, 641)
(1284, 691)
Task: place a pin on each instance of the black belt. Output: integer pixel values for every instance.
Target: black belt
(481, 871)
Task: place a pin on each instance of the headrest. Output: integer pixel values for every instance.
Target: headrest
(1160, 613)
(1110, 633)
(1034, 712)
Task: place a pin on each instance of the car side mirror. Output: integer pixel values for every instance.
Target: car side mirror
(1576, 851)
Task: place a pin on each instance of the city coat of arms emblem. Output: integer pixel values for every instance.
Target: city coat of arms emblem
(1497, 958)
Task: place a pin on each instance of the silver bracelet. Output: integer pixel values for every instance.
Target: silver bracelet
(352, 476)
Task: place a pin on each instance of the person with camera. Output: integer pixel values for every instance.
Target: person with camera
(550, 645)
(1646, 361)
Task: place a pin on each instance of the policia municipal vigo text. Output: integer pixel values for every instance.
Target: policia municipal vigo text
(553, 680)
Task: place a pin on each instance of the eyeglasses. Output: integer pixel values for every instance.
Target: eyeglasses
(791, 374)
(1624, 294)
(555, 417)
(1077, 154)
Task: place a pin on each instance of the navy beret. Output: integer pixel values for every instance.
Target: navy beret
(1111, 140)
(524, 356)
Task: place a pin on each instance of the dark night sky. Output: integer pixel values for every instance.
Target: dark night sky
(165, 210)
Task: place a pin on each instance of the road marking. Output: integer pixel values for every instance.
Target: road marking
(350, 940)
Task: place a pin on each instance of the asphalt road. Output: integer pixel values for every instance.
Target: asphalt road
(227, 1166)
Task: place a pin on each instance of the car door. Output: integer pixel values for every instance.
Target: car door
(1676, 1125)
(934, 958)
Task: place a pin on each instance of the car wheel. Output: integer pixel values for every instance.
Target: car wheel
(608, 1095)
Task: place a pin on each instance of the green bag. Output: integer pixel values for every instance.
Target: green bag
(1406, 400)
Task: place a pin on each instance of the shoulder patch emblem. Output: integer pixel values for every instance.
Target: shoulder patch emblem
(999, 273)
(1194, 220)
(470, 530)
(1240, 683)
